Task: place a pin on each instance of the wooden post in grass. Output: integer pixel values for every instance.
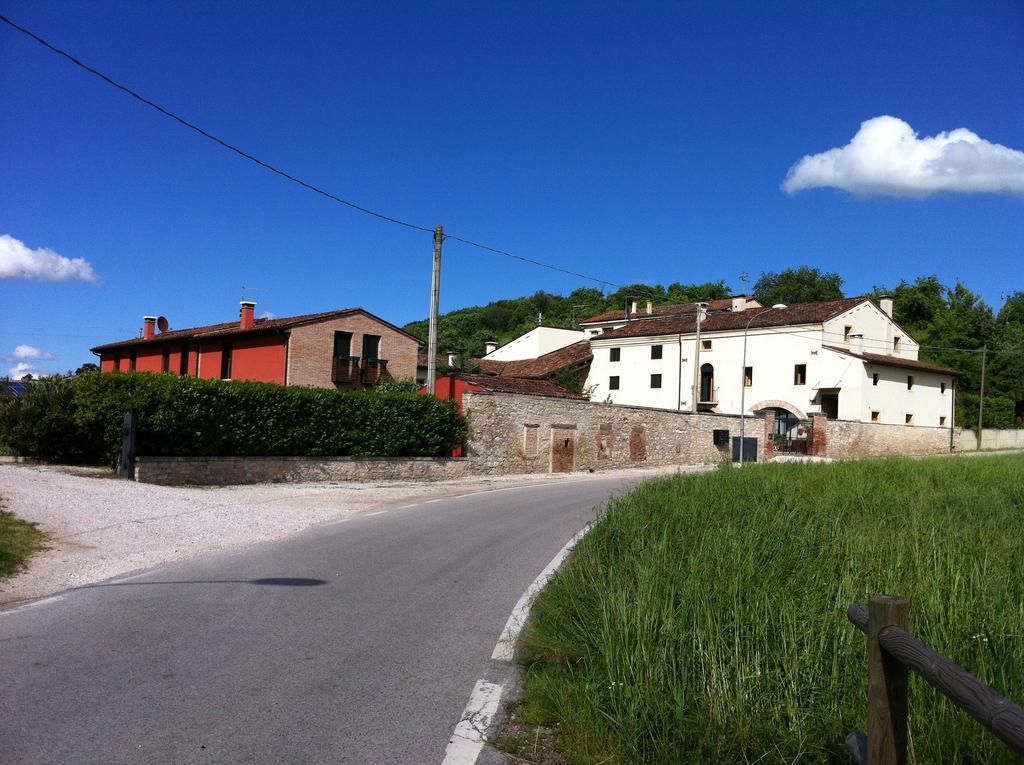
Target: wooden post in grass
(887, 684)
(126, 465)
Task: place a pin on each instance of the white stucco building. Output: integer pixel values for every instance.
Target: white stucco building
(534, 344)
(846, 359)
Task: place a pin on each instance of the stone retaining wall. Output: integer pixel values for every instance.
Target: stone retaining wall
(221, 471)
(511, 433)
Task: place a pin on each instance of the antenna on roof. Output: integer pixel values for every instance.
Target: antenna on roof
(743, 280)
(246, 290)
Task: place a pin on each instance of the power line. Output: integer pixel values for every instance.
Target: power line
(288, 176)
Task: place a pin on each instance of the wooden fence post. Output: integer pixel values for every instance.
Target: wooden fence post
(887, 685)
(126, 465)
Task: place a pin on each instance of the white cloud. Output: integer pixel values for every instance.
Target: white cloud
(21, 369)
(30, 353)
(886, 158)
(18, 261)
(268, 315)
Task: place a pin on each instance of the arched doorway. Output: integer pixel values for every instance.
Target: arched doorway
(707, 383)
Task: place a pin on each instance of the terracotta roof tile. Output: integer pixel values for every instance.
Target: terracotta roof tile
(528, 387)
(542, 366)
(234, 328)
(799, 313)
(894, 361)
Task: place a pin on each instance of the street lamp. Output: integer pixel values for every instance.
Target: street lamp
(743, 373)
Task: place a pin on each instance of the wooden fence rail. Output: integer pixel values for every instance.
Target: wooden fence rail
(892, 650)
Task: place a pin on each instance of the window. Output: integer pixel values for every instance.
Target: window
(655, 381)
(134, 358)
(531, 438)
(910, 382)
(342, 345)
(896, 345)
(748, 376)
(656, 351)
(942, 387)
(942, 421)
(613, 382)
(847, 331)
(874, 379)
(166, 365)
(909, 418)
(225, 361)
(800, 374)
(183, 364)
(371, 347)
(705, 345)
(614, 354)
(875, 415)
(117, 362)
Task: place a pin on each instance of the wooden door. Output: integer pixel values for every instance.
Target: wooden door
(563, 450)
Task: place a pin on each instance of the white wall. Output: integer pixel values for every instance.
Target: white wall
(536, 343)
(878, 330)
(772, 353)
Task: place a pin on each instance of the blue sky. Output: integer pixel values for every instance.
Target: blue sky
(628, 141)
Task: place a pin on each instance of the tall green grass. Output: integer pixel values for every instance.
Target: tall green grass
(703, 618)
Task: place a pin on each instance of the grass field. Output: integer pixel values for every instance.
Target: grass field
(18, 540)
(703, 619)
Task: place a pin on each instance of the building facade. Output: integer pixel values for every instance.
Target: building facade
(345, 349)
(846, 359)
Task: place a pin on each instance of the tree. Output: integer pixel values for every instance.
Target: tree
(798, 285)
(87, 367)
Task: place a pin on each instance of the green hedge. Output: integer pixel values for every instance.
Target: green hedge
(185, 416)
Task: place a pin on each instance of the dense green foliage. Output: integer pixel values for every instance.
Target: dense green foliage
(703, 618)
(798, 285)
(79, 420)
(937, 316)
(18, 540)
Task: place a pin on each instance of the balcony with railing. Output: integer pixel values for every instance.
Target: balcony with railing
(345, 369)
(374, 370)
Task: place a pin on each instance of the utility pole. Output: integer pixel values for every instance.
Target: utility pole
(981, 397)
(435, 304)
(701, 307)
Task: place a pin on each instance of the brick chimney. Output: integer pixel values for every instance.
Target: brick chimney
(248, 314)
(885, 303)
(148, 327)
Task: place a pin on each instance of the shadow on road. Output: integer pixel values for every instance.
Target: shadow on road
(272, 581)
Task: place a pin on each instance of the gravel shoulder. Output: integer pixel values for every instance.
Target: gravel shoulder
(101, 527)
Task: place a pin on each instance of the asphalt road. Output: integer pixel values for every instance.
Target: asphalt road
(354, 642)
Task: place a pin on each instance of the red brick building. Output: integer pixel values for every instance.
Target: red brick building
(349, 348)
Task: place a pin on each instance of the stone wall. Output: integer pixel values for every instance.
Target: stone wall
(221, 471)
(847, 438)
(512, 433)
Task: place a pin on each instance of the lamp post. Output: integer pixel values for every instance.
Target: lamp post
(743, 373)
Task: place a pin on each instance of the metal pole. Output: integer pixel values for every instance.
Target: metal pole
(435, 303)
(981, 397)
(743, 375)
(696, 358)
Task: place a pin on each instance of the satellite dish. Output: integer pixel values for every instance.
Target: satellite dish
(161, 323)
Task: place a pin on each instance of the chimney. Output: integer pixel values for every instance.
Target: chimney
(857, 346)
(885, 303)
(149, 327)
(451, 358)
(248, 314)
(650, 307)
(739, 303)
(632, 307)
(490, 347)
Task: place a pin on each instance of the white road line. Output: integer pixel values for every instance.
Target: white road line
(505, 649)
(468, 737)
(379, 512)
